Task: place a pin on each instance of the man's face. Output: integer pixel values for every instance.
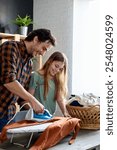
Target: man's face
(40, 48)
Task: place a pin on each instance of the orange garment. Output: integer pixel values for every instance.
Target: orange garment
(56, 132)
(60, 128)
(23, 123)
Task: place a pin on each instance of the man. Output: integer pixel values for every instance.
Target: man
(15, 70)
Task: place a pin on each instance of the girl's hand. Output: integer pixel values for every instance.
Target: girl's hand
(66, 114)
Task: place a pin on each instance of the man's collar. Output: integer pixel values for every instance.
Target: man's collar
(23, 50)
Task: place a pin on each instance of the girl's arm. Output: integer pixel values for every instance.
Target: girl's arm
(62, 105)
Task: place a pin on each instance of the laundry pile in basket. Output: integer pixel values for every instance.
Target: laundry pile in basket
(85, 99)
(85, 107)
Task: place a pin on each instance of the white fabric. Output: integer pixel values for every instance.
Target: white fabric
(28, 129)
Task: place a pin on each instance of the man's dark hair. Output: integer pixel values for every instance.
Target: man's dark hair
(42, 34)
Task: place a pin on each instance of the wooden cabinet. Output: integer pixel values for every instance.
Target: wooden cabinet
(17, 37)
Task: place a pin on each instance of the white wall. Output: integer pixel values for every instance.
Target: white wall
(85, 77)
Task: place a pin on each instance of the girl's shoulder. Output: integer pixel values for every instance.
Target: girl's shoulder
(36, 74)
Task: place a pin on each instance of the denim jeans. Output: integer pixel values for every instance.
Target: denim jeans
(3, 122)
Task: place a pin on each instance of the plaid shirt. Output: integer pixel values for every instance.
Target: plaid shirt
(15, 64)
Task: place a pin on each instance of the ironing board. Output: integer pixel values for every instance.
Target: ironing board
(29, 129)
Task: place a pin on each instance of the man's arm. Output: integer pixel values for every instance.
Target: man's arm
(16, 88)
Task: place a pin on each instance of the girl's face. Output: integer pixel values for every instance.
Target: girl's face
(55, 67)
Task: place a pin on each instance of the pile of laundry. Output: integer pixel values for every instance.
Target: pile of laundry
(85, 99)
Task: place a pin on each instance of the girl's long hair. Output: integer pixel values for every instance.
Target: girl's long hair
(60, 78)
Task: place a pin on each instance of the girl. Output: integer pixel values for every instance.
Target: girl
(49, 84)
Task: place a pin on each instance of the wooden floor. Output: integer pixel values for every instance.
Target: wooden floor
(86, 140)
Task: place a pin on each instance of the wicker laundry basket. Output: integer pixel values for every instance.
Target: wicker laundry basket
(89, 115)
